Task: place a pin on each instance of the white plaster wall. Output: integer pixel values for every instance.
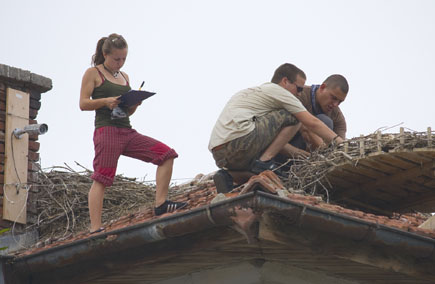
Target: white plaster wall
(247, 273)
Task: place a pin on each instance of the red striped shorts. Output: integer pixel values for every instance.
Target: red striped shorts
(110, 142)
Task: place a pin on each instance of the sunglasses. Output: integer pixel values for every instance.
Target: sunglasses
(299, 89)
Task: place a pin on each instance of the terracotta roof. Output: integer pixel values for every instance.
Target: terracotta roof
(248, 224)
(202, 194)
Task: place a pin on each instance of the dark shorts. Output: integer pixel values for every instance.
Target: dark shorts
(111, 142)
(240, 153)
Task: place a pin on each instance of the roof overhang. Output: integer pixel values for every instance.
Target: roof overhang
(253, 226)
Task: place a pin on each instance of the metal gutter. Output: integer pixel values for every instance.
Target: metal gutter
(356, 229)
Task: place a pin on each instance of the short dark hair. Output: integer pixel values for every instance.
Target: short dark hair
(335, 81)
(287, 70)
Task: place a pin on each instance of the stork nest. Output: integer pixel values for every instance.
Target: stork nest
(62, 201)
(308, 175)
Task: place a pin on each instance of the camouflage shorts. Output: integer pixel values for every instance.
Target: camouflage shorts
(240, 153)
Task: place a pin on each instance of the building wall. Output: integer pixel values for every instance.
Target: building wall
(35, 85)
(256, 273)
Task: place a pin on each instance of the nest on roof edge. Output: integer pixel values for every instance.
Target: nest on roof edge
(62, 201)
(309, 175)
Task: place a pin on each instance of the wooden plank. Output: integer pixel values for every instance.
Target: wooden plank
(408, 186)
(371, 196)
(361, 146)
(429, 183)
(412, 156)
(428, 153)
(16, 151)
(348, 187)
(414, 188)
(394, 161)
(404, 195)
(422, 203)
(395, 198)
(402, 137)
(363, 170)
(337, 180)
(398, 177)
(350, 176)
(425, 179)
(393, 190)
(386, 169)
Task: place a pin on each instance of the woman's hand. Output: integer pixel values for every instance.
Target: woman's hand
(132, 109)
(111, 102)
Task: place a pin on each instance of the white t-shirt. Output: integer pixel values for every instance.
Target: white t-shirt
(236, 119)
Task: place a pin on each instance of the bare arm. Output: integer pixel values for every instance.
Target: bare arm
(313, 141)
(89, 82)
(318, 127)
(291, 151)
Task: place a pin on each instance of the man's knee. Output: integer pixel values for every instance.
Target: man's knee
(326, 120)
(292, 127)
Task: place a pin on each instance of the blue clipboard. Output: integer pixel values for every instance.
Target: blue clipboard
(134, 97)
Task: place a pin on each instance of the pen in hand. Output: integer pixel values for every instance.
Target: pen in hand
(141, 85)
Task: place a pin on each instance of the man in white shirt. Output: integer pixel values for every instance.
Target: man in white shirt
(257, 123)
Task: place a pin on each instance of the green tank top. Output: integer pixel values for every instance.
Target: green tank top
(102, 115)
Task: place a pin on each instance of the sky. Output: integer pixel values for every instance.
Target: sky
(196, 54)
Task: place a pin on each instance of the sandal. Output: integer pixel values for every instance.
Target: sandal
(100, 229)
(168, 207)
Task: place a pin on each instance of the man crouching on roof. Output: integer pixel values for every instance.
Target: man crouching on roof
(323, 102)
(257, 123)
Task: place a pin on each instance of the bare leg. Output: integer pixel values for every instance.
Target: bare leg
(163, 178)
(95, 201)
(283, 137)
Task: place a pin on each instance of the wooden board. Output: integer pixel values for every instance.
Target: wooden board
(399, 181)
(16, 160)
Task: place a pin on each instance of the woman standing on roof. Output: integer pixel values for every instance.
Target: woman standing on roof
(102, 84)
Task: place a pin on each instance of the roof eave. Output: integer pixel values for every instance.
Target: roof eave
(340, 231)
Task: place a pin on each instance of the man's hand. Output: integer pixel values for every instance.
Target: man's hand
(313, 141)
(292, 152)
(338, 140)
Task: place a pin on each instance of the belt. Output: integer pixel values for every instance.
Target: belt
(217, 148)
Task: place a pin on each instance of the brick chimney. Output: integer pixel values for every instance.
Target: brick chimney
(20, 95)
